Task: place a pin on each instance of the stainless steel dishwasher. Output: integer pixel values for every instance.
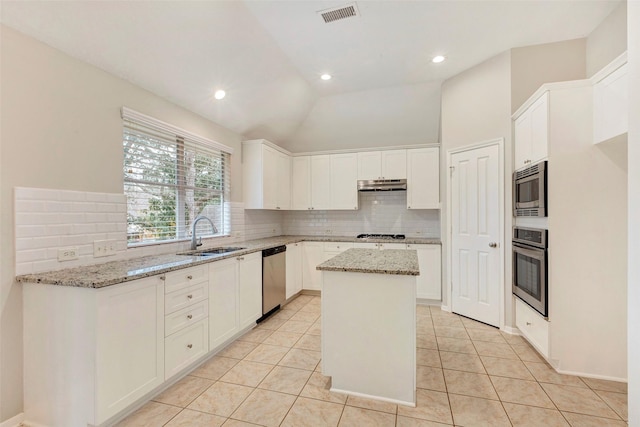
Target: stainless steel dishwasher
(274, 279)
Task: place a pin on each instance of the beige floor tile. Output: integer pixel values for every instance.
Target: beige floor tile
(302, 359)
(461, 362)
(375, 405)
(315, 328)
(151, 414)
(238, 349)
(447, 321)
(506, 368)
(283, 339)
(430, 405)
(237, 423)
(189, 418)
(526, 353)
(581, 420)
(266, 353)
(357, 417)
(513, 339)
(221, 399)
(247, 373)
(427, 357)
(529, 416)
(456, 345)
(451, 332)
(271, 324)
(318, 388)
(486, 335)
(308, 342)
(546, 374)
(424, 323)
(295, 326)
(416, 422)
(311, 308)
(521, 391)
(578, 399)
(286, 380)
(426, 341)
(503, 351)
(617, 402)
(423, 310)
(284, 314)
(430, 378)
(313, 413)
(264, 407)
(215, 367)
(472, 324)
(184, 391)
(295, 304)
(472, 411)
(256, 335)
(604, 385)
(469, 384)
(306, 316)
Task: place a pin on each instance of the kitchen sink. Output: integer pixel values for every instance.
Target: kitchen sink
(211, 251)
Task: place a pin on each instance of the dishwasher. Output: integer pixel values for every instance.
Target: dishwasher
(274, 280)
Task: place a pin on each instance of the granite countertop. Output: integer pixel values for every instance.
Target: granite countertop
(114, 272)
(388, 261)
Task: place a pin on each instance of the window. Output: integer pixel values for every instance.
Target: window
(170, 178)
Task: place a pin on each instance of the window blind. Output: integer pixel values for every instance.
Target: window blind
(171, 177)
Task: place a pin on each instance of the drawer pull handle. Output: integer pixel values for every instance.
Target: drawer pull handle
(161, 277)
(189, 277)
(190, 316)
(528, 323)
(189, 345)
(190, 296)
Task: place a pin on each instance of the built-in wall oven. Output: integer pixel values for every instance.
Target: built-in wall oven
(530, 267)
(530, 191)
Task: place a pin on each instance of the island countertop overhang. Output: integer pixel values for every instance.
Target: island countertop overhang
(376, 261)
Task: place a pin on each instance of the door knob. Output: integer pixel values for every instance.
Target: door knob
(493, 245)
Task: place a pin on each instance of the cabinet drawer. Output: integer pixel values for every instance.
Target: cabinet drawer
(337, 246)
(185, 297)
(185, 317)
(185, 347)
(175, 280)
(533, 327)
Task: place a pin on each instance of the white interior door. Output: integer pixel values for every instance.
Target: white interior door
(475, 216)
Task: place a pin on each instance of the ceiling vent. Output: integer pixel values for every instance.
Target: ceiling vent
(337, 13)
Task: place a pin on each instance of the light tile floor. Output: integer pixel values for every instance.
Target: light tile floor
(468, 374)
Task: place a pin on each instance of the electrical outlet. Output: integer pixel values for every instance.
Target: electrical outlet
(68, 254)
(104, 248)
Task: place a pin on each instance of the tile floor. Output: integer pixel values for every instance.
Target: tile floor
(468, 374)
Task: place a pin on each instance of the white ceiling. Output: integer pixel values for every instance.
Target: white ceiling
(268, 56)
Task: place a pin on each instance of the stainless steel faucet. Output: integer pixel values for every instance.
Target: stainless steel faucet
(195, 242)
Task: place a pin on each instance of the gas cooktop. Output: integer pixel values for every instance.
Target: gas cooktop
(381, 236)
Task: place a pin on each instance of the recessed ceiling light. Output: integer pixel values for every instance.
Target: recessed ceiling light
(326, 77)
(220, 94)
(438, 59)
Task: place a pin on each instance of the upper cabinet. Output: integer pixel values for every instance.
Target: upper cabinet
(423, 178)
(611, 105)
(321, 182)
(301, 183)
(266, 176)
(344, 177)
(390, 164)
(324, 182)
(532, 133)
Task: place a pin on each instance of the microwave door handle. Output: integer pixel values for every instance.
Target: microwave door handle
(537, 254)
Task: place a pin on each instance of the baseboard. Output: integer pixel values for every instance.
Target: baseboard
(14, 421)
(594, 376)
(445, 308)
(429, 302)
(511, 330)
(310, 292)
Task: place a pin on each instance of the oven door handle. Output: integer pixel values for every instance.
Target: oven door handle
(533, 253)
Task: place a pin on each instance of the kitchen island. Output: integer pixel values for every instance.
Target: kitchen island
(369, 323)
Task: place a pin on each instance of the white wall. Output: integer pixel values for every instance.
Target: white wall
(608, 40)
(633, 291)
(476, 107)
(61, 129)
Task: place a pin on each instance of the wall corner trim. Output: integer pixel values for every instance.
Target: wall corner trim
(14, 421)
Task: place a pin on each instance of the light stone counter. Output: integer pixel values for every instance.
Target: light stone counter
(388, 261)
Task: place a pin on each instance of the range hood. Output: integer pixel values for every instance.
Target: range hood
(383, 185)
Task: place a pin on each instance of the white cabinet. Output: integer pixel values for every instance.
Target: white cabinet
(235, 296)
(301, 183)
(90, 353)
(532, 133)
(266, 176)
(321, 182)
(344, 181)
(389, 164)
(611, 105)
(294, 269)
(312, 255)
(533, 326)
(423, 178)
(429, 281)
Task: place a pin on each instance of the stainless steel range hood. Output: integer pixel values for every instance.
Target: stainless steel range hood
(383, 185)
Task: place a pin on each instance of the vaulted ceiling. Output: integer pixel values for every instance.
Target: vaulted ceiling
(268, 57)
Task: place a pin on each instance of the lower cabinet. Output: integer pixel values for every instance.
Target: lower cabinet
(429, 281)
(533, 326)
(312, 255)
(250, 288)
(294, 269)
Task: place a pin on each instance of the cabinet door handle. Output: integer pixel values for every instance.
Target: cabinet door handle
(162, 277)
(408, 207)
(190, 316)
(190, 296)
(189, 277)
(528, 323)
(189, 345)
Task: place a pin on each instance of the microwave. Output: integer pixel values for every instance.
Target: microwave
(530, 191)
